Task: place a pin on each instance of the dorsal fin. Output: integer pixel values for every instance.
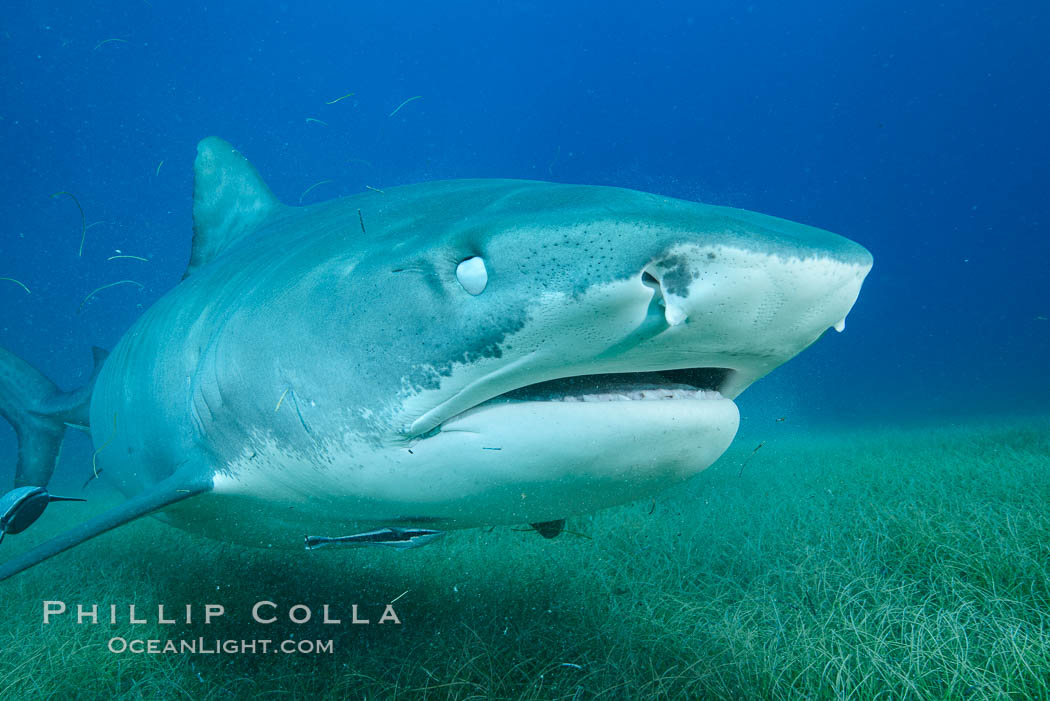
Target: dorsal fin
(230, 200)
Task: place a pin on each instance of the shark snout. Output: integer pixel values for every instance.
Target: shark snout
(718, 286)
(742, 308)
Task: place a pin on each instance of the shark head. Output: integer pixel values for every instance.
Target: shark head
(593, 339)
(497, 351)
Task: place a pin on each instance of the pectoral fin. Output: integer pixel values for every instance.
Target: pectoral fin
(174, 489)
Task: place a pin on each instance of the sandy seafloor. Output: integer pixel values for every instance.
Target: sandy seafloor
(908, 562)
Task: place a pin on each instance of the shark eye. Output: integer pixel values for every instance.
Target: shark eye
(472, 275)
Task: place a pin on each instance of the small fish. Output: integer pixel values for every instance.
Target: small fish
(11, 279)
(317, 184)
(106, 287)
(107, 41)
(94, 474)
(398, 108)
(744, 464)
(332, 102)
(83, 220)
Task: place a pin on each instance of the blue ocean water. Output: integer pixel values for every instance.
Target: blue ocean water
(917, 130)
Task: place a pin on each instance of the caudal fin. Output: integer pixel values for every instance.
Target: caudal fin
(39, 412)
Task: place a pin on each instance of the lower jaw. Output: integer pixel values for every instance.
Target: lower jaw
(517, 462)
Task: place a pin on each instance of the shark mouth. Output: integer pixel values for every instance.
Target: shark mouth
(690, 383)
(687, 384)
(695, 384)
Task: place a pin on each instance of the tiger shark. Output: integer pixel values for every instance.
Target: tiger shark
(381, 368)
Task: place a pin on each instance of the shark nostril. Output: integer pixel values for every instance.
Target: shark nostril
(672, 312)
(650, 280)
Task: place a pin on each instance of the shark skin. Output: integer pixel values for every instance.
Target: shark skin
(445, 355)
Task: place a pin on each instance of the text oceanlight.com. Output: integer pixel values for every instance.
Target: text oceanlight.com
(200, 646)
